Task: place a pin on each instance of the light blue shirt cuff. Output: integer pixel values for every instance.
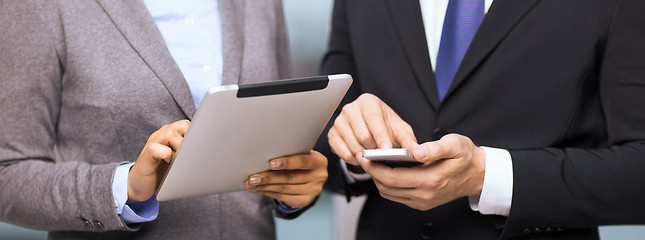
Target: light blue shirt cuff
(136, 212)
(286, 209)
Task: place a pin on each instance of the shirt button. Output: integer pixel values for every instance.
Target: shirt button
(427, 231)
(190, 21)
(437, 133)
(206, 68)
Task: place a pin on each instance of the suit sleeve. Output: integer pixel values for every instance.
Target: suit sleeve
(36, 192)
(580, 188)
(339, 59)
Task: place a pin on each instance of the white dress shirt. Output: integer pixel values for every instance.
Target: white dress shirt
(497, 192)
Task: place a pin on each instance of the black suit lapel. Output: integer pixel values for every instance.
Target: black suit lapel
(408, 23)
(501, 18)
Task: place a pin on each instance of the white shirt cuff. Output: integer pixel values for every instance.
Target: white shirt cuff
(497, 193)
(353, 177)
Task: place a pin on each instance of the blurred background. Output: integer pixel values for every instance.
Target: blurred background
(332, 217)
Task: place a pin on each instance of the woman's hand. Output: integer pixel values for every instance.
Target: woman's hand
(146, 174)
(295, 180)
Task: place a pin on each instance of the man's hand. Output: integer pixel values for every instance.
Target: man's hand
(453, 167)
(368, 123)
(146, 173)
(295, 180)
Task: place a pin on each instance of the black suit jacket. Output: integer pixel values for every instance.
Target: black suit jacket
(559, 83)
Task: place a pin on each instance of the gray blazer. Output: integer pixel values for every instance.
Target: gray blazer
(96, 79)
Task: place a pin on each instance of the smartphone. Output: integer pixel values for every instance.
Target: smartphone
(394, 157)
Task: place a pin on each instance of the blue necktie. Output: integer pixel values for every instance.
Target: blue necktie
(460, 25)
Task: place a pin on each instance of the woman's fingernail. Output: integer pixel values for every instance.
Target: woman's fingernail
(275, 164)
(255, 179)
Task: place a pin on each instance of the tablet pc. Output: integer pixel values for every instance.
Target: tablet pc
(238, 129)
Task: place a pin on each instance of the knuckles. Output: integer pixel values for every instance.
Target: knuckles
(348, 109)
(347, 156)
(427, 197)
(168, 132)
(367, 98)
(364, 138)
(323, 176)
(332, 132)
(451, 139)
(383, 195)
(319, 159)
(183, 123)
(433, 183)
(389, 181)
(422, 207)
(278, 197)
(338, 121)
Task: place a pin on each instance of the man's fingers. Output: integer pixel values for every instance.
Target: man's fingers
(395, 198)
(353, 114)
(449, 146)
(345, 131)
(372, 109)
(387, 128)
(376, 170)
(401, 177)
(393, 194)
(339, 147)
(401, 132)
(399, 191)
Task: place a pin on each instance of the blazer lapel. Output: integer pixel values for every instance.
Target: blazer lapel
(501, 18)
(408, 23)
(134, 22)
(232, 14)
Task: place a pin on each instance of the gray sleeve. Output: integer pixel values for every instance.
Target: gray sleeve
(36, 192)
